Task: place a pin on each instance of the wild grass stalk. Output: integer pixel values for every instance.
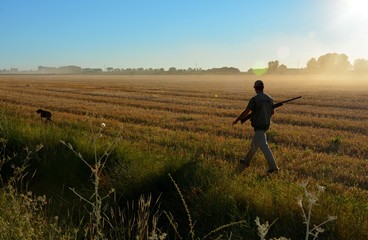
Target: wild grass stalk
(190, 222)
(139, 220)
(191, 233)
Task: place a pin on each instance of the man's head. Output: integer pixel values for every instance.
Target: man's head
(258, 85)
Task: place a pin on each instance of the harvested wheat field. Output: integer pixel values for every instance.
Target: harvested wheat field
(182, 125)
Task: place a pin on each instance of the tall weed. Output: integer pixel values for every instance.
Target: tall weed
(23, 215)
(105, 221)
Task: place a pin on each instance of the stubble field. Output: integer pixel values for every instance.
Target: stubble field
(181, 125)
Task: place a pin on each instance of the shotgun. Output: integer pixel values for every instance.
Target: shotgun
(274, 106)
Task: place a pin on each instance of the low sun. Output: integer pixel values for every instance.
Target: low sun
(357, 8)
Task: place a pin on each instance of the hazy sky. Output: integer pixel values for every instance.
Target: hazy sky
(179, 33)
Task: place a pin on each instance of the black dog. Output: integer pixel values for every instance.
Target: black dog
(44, 114)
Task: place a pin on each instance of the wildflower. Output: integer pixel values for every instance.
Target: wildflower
(163, 236)
(42, 199)
(321, 188)
(39, 147)
(153, 237)
(262, 228)
(312, 198)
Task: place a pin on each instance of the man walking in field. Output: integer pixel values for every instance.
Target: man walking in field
(261, 109)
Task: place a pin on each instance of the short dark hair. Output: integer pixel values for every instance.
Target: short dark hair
(258, 85)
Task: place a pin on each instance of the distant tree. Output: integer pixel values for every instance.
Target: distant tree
(109, 69)
(282, 68)
(361, 65)
(333, 62)
(172, 70)
(329, 63)
(273, 66)
(223, 70)
(159, 71)
(312, 65)
(231, 70)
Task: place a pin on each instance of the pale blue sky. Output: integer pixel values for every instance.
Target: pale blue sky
(179, 33)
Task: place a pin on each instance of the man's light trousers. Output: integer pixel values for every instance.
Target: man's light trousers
(260, 141)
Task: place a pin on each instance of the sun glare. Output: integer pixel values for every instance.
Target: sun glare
(357, 8)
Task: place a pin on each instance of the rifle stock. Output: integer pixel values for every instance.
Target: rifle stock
(246, 118)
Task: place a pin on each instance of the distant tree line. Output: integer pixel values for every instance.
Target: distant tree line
(61, 70)
(172, 70)
(127, 71)
(328, 63)
(336, 63)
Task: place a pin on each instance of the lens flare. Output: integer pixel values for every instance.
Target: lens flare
(259, 68)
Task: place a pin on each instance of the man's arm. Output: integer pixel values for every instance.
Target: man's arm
(242, 115)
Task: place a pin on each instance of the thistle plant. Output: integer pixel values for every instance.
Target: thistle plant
(263, 228)
(96, 199)
(311, 199)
